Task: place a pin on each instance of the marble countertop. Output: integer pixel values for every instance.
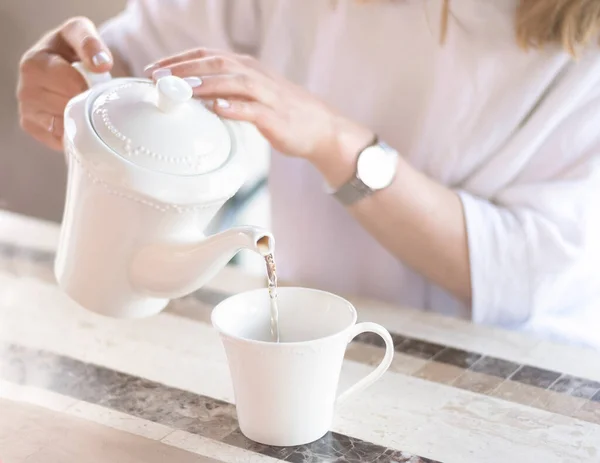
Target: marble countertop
(75, 386)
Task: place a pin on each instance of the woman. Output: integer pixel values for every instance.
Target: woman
(485, 206)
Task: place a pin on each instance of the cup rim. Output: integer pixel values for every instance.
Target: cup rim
(284, 344)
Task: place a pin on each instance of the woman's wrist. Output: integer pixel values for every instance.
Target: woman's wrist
(337, 164)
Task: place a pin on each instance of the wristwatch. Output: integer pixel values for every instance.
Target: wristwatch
(376, 167)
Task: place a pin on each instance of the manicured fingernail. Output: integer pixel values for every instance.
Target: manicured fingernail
(161, 73)
(100, 58)
(149, 69)
(221, 103)
(193, 81)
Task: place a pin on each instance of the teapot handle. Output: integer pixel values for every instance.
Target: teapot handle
(91, 78)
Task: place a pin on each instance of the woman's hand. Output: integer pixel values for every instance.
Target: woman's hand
(418, 220)
(294, 121)
(47, 81)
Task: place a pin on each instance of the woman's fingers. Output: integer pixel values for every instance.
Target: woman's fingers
(60, 77)
(82, 36)
(46, 84)
(201, 67)
(51, 123)
(42, 69)
(233, 86)
(198, 53)
(47, 80)
(268, 123)
(37, 99)
(187, 55)
(219, 76)
(45, 128)
(263, 117)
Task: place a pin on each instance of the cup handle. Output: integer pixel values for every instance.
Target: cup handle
(381, 368)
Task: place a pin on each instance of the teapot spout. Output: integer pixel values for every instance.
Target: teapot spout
(176, 270)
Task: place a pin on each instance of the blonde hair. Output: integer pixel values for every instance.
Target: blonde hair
(572, 24)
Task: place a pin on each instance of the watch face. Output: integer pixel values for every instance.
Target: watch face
(376, 166)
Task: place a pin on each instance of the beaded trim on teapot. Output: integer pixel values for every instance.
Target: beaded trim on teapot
(193, 162)
(161, 207)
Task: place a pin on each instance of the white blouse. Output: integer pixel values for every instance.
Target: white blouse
(515, 133)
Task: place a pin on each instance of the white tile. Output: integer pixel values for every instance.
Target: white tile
(27, 231)
(30, 270)
(117, 420)
(508, 345)
(449, 424)
(165, 348)
(576, 361)
(487, 430)
(592, 446)
(35, 396)
(372, 355)
(214, 449)
(389, 410)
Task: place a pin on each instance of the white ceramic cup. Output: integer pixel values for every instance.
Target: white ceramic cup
(286, 392)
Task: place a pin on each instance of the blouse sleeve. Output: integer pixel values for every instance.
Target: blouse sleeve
(148, 30)
(535, 245)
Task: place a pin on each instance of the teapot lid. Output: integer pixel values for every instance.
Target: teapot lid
(161, 127)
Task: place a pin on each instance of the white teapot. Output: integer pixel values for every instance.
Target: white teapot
(149, 166)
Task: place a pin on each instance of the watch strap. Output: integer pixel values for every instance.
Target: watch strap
(352, 191)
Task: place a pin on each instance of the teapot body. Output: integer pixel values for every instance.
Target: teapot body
(115, 209)
(103, 230)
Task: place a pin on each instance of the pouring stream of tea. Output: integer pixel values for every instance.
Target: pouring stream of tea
(272, 285)
(272, 278)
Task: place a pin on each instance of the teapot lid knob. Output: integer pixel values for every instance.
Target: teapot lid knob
(172, 91)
